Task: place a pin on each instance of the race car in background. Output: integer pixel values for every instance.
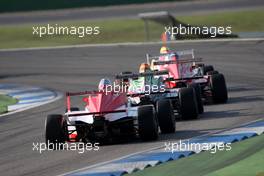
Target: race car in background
(182, 99)
(187, 71)
(104, 116)
(140, 91)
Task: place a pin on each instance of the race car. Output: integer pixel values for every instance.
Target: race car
(186, 70)
(105, 115)
(182, 99)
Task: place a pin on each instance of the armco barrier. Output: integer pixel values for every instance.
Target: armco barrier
(29, 5)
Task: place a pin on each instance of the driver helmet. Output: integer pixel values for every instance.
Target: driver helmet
(144, 67)
(164, 50)
(104, 83)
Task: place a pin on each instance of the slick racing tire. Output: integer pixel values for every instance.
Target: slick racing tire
(54, 131)
(165, 116)
(147, 123)
(218, 88)
(198, 95)
(188, 103)
(212, 72)
(207, 68)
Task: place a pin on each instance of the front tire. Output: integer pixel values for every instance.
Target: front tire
(166, 116)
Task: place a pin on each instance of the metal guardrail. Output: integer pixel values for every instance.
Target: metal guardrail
(162, 17)
(168, 20)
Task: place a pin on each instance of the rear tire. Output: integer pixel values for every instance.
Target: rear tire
(218, 87)
(207, 68)
(166, 116)
(212, 72)
(147, 123)
(54, 131)
(198, 95)
(188, 104)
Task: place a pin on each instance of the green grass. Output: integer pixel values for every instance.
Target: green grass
(125, 30)
(244, 159)
(241, 21)
(4, 102)
(253, 165)
(131, 30)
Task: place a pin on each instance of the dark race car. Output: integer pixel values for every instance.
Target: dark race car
(181, 100)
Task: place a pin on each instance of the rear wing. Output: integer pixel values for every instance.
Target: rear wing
(96, 113)
(137, 75)
(70, 94)
(85, 99)
(175, 62)
(185, 56)
(144, 94)
(83, 93)
(182, 79)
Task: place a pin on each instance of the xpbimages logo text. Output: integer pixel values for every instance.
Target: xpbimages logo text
(186, 145)
(80, 147)
(79, 31)
(213, 31)
(124, 88)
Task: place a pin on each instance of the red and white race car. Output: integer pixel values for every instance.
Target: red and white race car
(103, 117)
(186, 70)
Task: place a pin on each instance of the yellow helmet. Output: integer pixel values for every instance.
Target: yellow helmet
(164, 50)
(144, 67)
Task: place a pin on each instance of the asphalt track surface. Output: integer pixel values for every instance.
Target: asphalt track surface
(77, 69)
(129, 11)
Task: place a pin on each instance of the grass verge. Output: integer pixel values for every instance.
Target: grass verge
(126, 30)
(245, 158)
(6, 101)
